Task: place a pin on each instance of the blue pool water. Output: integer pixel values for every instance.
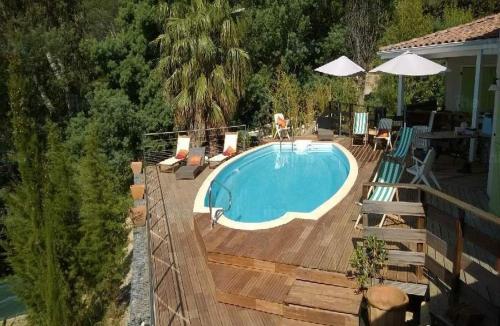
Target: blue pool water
(10, 306)
(267, 183)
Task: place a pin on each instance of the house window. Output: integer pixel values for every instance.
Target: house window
(486, 98)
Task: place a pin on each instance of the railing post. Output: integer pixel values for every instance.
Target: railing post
(421, 225)
(350, 119)
(457, 261)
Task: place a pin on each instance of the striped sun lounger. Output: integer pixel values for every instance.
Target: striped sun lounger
(389, 172)
(360, 126)
(402, 145)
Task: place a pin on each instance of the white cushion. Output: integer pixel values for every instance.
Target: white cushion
(218, 158)
(170, 161)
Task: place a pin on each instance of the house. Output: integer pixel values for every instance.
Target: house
(472, 53)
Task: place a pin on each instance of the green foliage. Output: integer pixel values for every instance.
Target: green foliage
(367, 260)
(294, 35)
(409, 21)
(118, 128)
(100, 250)
(255, 108)
(454, 16)
(40, 221)
(202, 64)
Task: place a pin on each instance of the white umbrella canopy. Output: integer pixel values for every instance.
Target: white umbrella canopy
(341, 67)
(410, 64)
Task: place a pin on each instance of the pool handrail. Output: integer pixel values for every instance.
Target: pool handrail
(214, 220)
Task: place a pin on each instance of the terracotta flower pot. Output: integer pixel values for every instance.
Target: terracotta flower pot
(138, 215)
(137, 191)
(136, 167)
(386, 305)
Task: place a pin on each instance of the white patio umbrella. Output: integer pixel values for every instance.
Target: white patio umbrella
(408, 64)
(341, 67)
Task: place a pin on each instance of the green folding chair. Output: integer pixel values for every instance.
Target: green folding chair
(360, 126)
(402, 145)
(389, 172)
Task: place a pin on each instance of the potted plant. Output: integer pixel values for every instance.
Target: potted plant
(386, 304)
(367, 261)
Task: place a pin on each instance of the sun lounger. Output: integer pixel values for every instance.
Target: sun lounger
(402, 146)
(389, 172)
(194, 164)
(181, 152)
(228, 150)
(360, 126)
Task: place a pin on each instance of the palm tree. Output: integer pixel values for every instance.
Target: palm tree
(202, 66)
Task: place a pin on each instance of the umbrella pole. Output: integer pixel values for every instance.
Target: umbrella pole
(401, 99)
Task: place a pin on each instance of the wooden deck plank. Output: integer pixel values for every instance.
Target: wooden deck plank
(325, 244)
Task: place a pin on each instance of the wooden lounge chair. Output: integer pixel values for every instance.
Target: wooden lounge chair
(181, 152)
(194, 164)
(384, 130)
(281, 125)
(389, 172)
(360, 126)
(402, 146)
(422, 170)
(229, 149)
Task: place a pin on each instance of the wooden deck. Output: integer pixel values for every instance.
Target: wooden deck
(267, 271)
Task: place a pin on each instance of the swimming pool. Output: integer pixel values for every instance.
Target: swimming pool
(270, 185)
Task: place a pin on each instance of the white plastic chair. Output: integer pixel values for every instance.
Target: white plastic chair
(419, 143)
(422, 170)
(384, 124)
(278, 128)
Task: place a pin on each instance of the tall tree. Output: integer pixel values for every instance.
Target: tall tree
(41, 216)
(202, 64)
(101, 249)
(365, 22)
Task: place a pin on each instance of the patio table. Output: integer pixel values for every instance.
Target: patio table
(451, 136)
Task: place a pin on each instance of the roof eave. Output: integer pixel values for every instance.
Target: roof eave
(447, 50)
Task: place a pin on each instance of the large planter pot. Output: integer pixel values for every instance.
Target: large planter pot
(139, 215)
(386, 306)
(136, 167)
(137, 191)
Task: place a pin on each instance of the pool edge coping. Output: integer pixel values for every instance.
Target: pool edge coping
(316, 214)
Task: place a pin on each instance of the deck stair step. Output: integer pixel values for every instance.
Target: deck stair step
(252, 289)
(324, 277)
(325, 297)
(295, 322)
(251, 263)
(301, 303)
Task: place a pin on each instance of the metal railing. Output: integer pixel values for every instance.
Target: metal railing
(162, 258)
(161, 145)
(217, 214)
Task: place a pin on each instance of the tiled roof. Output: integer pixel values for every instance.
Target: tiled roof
(483, 28)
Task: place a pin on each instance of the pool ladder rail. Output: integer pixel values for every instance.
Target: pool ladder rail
(293, 136)
(219, 212)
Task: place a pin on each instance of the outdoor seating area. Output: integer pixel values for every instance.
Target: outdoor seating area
(384, 205)
(419, 201)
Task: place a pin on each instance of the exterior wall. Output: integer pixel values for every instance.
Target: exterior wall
(453, 78)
